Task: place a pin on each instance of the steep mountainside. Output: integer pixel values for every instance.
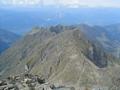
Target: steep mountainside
(65, 57)
(6, 39)
(108, 37)
(114, 34)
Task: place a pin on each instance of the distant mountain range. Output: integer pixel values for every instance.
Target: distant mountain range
(76, 55)
(21, 20)
(6, 39)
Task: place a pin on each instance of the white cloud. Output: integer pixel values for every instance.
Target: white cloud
(68, 3)
(20, 2)
(93, 3)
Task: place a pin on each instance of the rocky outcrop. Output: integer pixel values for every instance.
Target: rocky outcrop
(28, 82)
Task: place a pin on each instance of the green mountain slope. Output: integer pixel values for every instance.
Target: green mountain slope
(6, 39)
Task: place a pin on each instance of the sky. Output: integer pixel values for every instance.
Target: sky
(67, 3)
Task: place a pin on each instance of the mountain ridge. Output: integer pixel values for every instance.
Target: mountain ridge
(66, 57)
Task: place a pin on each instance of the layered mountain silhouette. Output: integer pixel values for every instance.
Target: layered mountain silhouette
(6, 39)
(75, 55)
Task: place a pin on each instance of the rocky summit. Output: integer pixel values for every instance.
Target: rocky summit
(59, 58)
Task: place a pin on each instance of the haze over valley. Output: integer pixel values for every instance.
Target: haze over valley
(21, 20)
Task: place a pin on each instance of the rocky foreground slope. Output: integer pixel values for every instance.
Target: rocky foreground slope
(63, 56)
(29, 82)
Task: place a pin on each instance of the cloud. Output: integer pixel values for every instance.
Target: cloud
(67, 3)
(20, 2)
(92, 3)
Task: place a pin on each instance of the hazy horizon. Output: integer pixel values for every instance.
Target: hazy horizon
(19, 20)
(20, 16)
